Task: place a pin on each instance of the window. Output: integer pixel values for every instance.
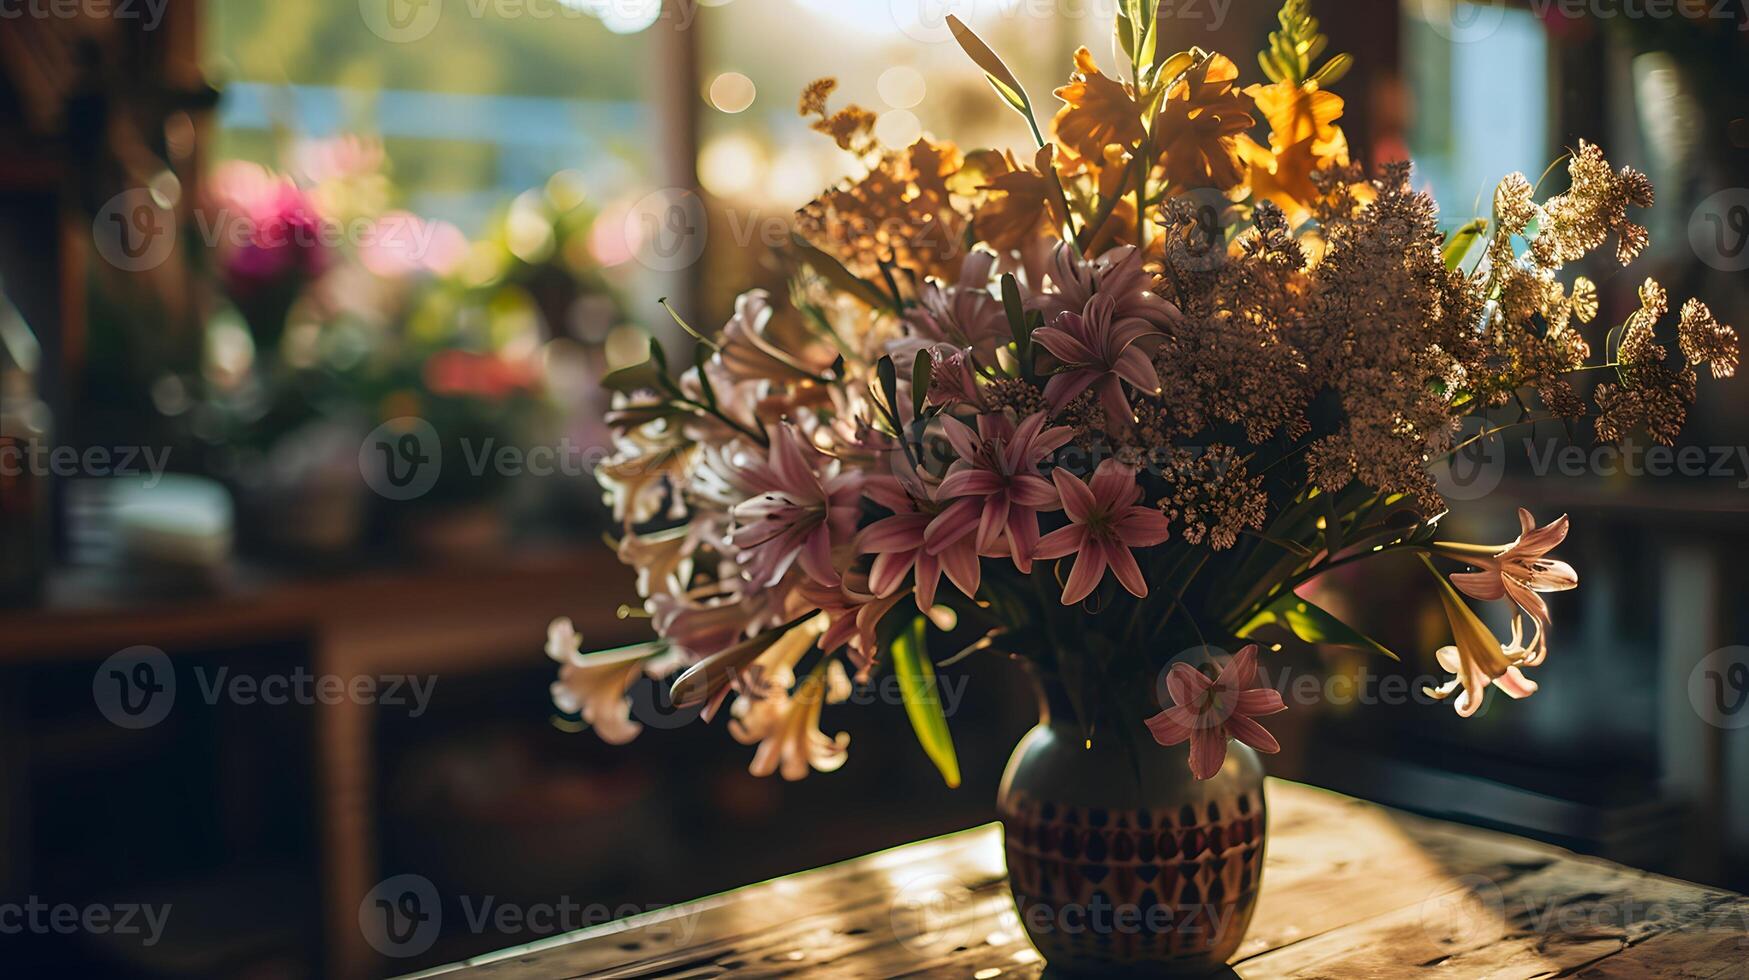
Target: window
(1465, 136)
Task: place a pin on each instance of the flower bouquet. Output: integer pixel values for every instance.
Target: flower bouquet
(1106, 409)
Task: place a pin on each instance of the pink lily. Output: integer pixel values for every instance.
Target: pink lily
(964, 314)
(1098, 351)
(950, 378)
(1208, 712)
(712, 617)
(798, 514)
(1472, 673)
(1518, 571)
(995, 485)
(786, 725)
(852, 612)
(1119, 273)
(1476, 656)
(897, 542)
(595, 685)
(1106, 522)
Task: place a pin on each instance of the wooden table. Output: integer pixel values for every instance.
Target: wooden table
(1351, 889)
(431, 620)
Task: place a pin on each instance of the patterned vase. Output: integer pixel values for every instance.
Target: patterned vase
(1129, 866)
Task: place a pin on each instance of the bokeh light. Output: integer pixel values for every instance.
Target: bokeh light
(732, 92)
(898, 128)
(902, 86)
(730, 166)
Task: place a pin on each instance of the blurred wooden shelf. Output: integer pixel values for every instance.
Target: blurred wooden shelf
(80, 618)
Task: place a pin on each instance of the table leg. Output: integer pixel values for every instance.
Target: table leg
(345, 765)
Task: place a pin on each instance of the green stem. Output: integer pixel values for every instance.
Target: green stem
(1292, 583)
(681, 399)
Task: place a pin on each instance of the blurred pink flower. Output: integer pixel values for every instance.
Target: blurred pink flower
(1106, 522)
(995, 487)
(402, 243)
(1209, 712)
(265, 227)
(1098, 350)
(594, 685)
(803, 507)
(339, 157)
(852, 611)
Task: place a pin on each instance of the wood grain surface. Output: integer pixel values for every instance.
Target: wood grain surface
(1350, 889)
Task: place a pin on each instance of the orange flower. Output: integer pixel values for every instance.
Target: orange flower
(1120, 226)
(1098, 111)
(902, 211)
(1022, 208)
(1197, 130)
(1303, 138)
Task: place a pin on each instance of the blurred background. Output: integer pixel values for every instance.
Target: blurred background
(256, 658)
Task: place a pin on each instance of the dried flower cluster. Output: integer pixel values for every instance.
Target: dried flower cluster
(1130, 393)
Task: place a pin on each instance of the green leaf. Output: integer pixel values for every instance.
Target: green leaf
(1175, 66)
(1313, 625)
(923, 700)
(921, 370)
(1018, 323)
(1333, 70)
(1000, 78)
(1458, 243)
(1136, 26)
(835, 273)
(650, 373)
(1332, 525)
(887, 378)
(701, 356)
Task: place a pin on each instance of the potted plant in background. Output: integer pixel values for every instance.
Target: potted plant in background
(1107, 408)
(301, 303)
(501, 354)
(342, 312)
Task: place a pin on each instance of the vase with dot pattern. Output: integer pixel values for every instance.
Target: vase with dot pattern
(1121, 862)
